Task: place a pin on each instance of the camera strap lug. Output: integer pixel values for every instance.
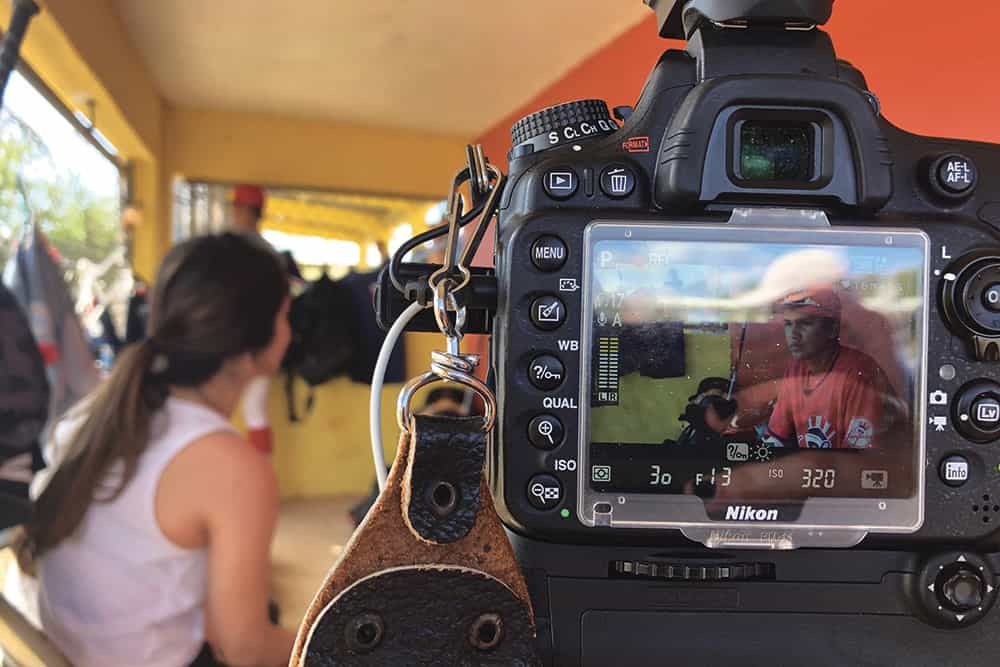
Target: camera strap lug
(430, 576)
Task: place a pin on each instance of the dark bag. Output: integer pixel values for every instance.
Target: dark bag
(323, 338)
(24, 409)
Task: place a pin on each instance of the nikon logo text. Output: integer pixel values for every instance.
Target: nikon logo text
(748, 513)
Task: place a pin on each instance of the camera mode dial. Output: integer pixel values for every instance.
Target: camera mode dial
(970, 300)
(567, 123)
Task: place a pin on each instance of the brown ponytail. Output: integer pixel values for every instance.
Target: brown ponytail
(116, 427)
(215, 297)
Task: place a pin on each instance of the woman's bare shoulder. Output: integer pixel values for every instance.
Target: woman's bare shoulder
(222, 468)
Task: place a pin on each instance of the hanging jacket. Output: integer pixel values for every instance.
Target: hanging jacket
(36, 280)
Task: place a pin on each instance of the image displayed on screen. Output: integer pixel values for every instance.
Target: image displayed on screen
(756, 370)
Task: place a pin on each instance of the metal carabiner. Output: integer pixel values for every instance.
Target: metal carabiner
(446, 283)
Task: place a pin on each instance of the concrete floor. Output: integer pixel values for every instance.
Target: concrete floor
(310, 537)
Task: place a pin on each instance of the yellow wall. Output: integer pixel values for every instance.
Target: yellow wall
(277, 150)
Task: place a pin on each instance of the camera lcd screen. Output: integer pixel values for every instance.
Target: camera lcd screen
(754, 364)
(777, 151)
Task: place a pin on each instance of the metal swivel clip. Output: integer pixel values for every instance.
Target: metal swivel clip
(447, 284)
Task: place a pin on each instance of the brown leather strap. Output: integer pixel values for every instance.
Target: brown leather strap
(418, 583)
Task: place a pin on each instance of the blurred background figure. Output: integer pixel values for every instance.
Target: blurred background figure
(246, 212)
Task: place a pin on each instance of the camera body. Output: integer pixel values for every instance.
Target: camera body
(641, 284)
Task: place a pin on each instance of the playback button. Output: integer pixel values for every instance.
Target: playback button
(561, 182)
(544, 491)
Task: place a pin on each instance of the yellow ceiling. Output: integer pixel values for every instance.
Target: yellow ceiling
(449, 67)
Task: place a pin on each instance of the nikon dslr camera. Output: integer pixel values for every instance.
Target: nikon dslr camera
(747, 362)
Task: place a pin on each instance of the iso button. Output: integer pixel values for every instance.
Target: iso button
(548, 253)
(546, 372)
(544, 491)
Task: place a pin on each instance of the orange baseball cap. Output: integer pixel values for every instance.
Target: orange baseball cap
(821, 302)
(248, 195)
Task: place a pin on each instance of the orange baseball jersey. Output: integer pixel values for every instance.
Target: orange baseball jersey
(837, 409)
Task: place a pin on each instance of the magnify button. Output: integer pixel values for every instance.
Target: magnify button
(545, 432)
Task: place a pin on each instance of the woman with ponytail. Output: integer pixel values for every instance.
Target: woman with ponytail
(152, 532)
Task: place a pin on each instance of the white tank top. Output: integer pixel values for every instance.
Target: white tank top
(118, 592)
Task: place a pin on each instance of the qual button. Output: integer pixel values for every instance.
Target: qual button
(545, 432)
(548, 313)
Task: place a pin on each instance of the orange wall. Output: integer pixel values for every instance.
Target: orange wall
(929, 82)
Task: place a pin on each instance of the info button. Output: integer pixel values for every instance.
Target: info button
(954, 470)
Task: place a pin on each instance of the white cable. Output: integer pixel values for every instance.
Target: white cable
(378, 379)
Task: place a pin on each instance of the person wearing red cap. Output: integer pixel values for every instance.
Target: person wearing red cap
(831, 395)
(247, 207)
